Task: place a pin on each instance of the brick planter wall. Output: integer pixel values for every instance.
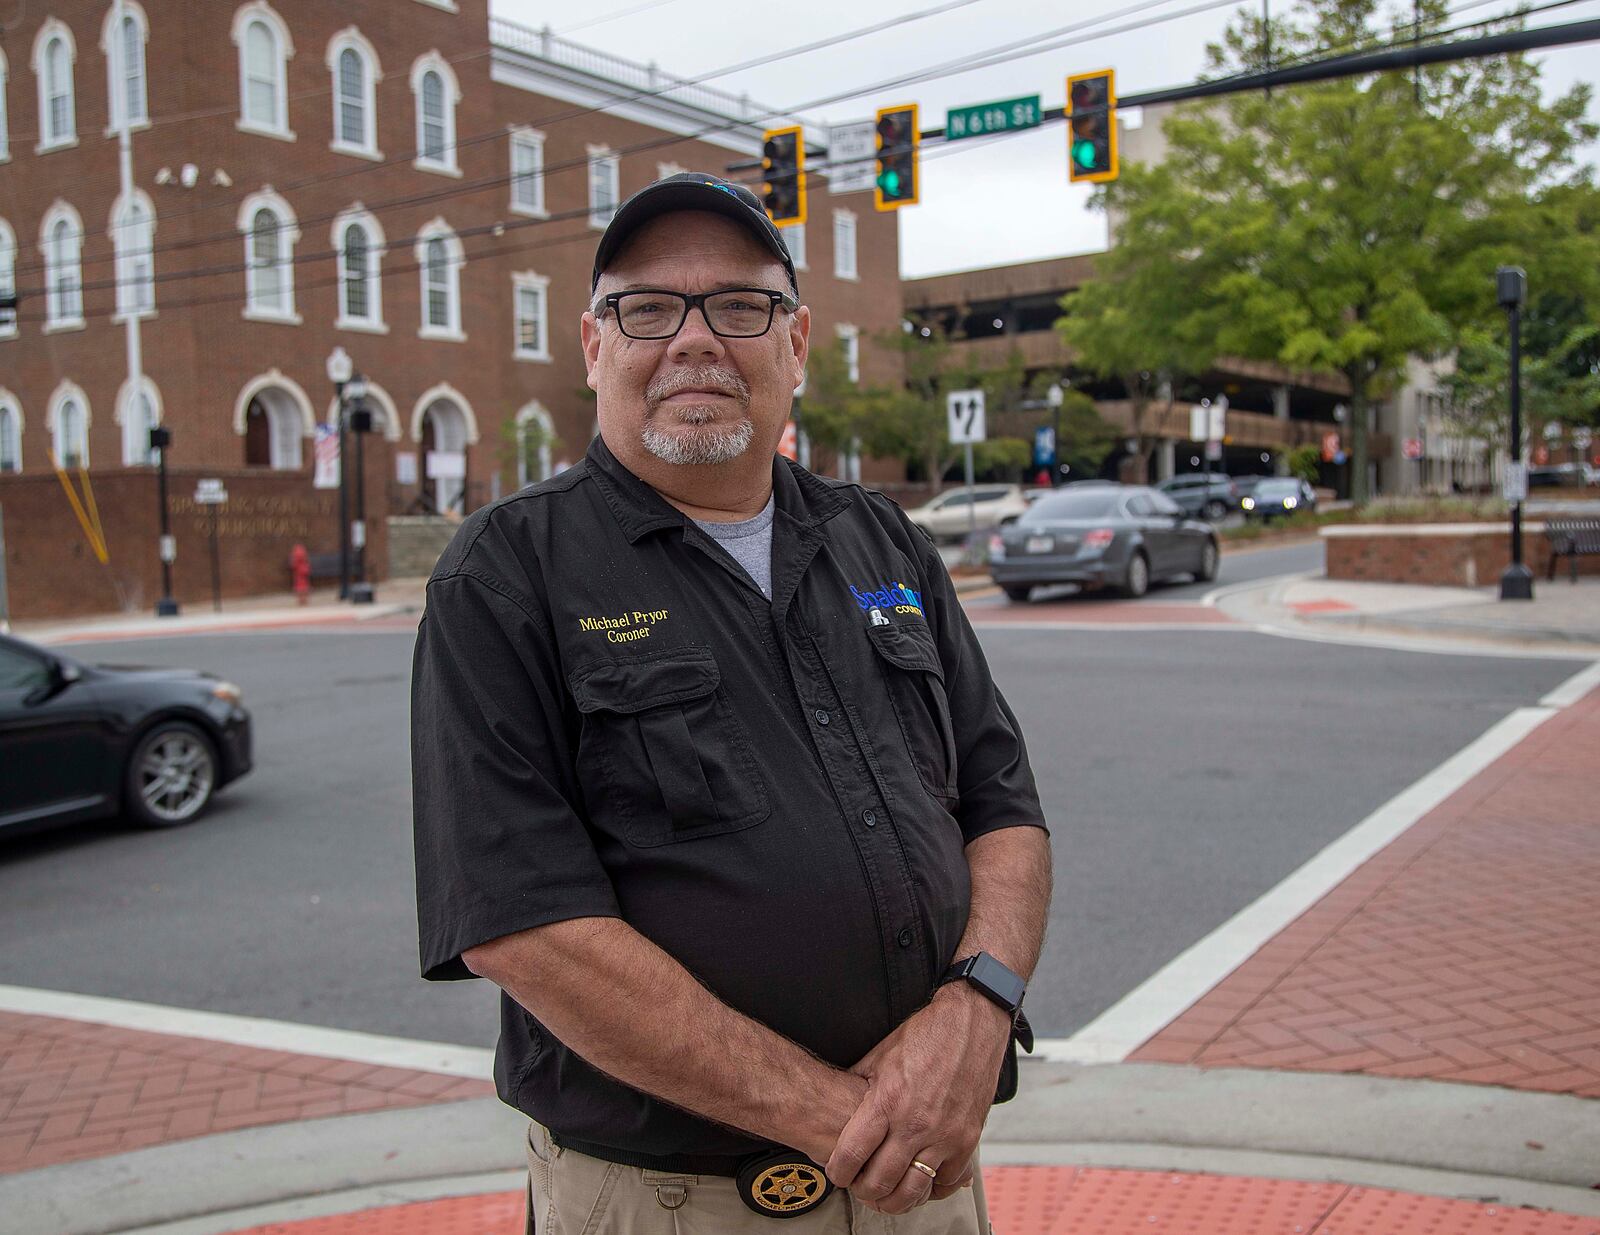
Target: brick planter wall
(1443, 554)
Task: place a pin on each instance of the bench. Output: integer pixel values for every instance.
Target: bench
(324, 566)
(1571, 538)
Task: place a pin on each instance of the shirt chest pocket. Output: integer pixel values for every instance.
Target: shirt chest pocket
(914, 679)
(661, 752)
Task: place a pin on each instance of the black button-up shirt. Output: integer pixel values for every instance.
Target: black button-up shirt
(609, 719)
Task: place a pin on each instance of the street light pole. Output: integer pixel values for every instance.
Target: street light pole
(1511, 287)
(339, 372)
(360, 418)
(1055, 397)
(160, 439)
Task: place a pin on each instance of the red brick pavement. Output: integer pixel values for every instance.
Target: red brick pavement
(1464, 951)
(71, 1090)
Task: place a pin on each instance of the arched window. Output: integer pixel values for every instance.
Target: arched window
(69, 427)
(358, 240)
(273, 416)
(434, 86)
(133, 236)
(269, 238)
(354, 65)
(440, 256)
(138, 411)
(8, 278)
(264, 51)
(53, 54)
(125, 67)
(536, 441)
(10, 433)
(62, 242)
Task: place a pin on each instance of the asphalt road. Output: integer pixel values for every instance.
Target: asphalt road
(1184, 772)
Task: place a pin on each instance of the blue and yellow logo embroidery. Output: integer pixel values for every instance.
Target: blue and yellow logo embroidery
(896, 596)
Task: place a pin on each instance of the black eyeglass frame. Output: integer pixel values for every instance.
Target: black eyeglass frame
(697, 300)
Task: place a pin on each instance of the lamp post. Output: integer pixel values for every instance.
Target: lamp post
(1511, 289)
(1054, 397)
(360, 418)
(339, 370)
(160, 439)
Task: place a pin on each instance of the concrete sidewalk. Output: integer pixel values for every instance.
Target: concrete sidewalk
(1418, 1050)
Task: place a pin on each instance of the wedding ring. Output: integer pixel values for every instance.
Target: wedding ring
(925, 1169)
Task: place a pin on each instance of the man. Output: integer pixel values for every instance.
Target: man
(712, 780)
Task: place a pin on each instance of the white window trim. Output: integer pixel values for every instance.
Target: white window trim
(377, 245)
(63, 392)
(440, 230)
(116, 231)
(5, 114)
(352, 39)
(790, 230)
(111, 48)
(664, 170)
(447, 5)
(433, 61)
(851, 336)
(54, 29)
(531, 411)
(9, 281)
(269, 200)
(296, 394)
(260, 10)
(599, 155)
(9, 402)
(853, 274)
(527, 279)
(534, 139)
(59, 211)
(134, 453)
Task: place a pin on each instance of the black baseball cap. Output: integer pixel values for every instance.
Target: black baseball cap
(691, 191)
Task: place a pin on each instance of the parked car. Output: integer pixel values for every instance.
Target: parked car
(1277, 496)
(1210, 495)
(951, 514)
(81, 741)
(1124, 536)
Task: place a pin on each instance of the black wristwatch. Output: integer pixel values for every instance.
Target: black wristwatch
(998, 984)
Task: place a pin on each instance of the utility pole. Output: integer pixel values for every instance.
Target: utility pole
(1511, 287)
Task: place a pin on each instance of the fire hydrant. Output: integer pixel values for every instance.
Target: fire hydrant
(300, 568)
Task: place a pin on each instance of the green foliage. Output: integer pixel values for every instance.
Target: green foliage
(1085, 438)
(1340, 225)
(1305, 462)
(523, 441)
(1001, 458)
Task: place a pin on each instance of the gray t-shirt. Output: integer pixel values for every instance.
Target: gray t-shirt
(750, 544)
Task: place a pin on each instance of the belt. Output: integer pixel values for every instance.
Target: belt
(668, 1164)
(773, 1182)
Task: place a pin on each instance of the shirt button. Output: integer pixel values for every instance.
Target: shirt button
(870, 818)
(904, 937)
(822, 717)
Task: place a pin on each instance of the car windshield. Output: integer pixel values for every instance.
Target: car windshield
(1278, 488)
(1101, 504)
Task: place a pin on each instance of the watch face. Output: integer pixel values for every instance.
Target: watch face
(990, 973)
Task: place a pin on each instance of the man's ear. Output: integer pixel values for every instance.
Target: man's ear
(800, 340)
(589, 333)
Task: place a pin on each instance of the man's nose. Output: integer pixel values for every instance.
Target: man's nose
(695, 337)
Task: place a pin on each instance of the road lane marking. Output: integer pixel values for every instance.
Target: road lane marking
(1160, 999)
(370, 1048)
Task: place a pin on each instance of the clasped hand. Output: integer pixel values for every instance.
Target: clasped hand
(930, 1084)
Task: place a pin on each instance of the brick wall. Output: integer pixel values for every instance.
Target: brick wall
(1452, 559)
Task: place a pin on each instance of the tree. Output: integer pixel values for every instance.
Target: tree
(1085, 438)
(834, 409)
(1344, 225)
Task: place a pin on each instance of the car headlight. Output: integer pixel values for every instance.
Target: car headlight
(1289, 503)
(1249, 503)
(227, 692)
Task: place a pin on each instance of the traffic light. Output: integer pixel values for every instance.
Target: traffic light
(1092, 115)
(898, 135)
(783, 164)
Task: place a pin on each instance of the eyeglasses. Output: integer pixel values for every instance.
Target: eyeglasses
(734, 313)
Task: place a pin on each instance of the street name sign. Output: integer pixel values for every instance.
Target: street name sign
(1006, 116)
(852, 157)
(1516, 482)
(209, 492)
(965, 411)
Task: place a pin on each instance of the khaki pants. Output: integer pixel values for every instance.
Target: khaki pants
(573, 1194)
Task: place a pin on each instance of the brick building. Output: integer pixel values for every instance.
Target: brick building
(403, 179)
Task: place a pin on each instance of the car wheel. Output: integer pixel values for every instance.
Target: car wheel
(171, 776)
(1017, 593)
(1214, 510)
(1208, 562)
(1136, 582)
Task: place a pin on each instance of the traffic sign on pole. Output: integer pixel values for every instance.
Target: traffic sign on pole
(966, 420)
(979, 120)
(852, 157)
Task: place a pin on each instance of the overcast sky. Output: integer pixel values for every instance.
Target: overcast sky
(984, 203)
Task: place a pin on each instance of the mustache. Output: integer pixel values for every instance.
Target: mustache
(704, 377)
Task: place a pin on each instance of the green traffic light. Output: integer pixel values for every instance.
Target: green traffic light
(1083, 153)
(889, 182)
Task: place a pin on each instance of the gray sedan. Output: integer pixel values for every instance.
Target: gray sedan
(1125, 537)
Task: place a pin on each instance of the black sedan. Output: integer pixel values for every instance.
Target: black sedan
(1122, 536)
(81, 741)
(1277, 496)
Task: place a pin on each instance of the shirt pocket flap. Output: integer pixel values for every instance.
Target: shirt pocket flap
(636, 684)
(909, 645)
